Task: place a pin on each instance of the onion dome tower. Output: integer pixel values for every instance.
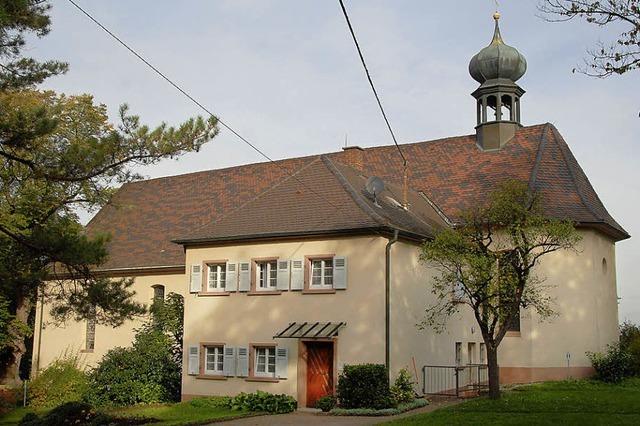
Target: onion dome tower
(497, 67)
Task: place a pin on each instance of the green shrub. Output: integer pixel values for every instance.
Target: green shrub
(364, 386)
(79, 413)
(402, 389)
(613, 365)
(370, 412)
(69, 413)
(150, 370)
(263, 402)
(211, 402)
(326, 403)
(145, 373)
(62, 381)
(630, 342)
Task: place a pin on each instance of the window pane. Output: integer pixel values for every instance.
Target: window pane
(273, 274)
(158, 292)
(262, 271)
(223, 273)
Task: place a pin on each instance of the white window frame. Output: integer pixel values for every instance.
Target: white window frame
(219, 284)
(269, 353)
(271, 271)
(483, 353)
(458, 353)
(218, 354)
(323, 269)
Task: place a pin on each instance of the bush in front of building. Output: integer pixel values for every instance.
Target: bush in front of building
(364, 386)
(370, 412)
(630, 342)
(151, 369)
(613, 365)
(64, 380)
(144, 373)
(79, 413)
(264, 402)
(402, 389)
(327, 403)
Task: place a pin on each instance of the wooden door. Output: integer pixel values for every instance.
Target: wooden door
(319, 371)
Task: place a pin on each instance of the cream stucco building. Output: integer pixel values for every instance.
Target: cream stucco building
(285, 266)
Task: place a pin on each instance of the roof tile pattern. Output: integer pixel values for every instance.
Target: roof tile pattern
(454, 173)
(322, 197)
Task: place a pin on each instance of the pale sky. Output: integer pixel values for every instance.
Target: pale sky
(285, 74)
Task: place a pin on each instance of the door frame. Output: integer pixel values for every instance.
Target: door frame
(302, 367)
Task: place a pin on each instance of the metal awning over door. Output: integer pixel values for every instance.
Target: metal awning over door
(310, 330)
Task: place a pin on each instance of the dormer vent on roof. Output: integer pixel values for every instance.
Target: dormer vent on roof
(497, 67)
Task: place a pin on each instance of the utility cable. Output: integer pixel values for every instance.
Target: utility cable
(373, 87)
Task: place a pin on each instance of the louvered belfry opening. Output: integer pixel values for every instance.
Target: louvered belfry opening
(497, 67)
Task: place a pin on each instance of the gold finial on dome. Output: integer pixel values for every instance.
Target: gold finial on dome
(496, 15)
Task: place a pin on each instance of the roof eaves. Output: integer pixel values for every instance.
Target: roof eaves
(281, 235)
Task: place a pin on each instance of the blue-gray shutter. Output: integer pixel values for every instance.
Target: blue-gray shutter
(297, 274)
(229, 366)
(340, 272)
(196, 278)
(244, 274)
(194, 360)
(242, 367)
(283, 275)
(231, 278)
(282, 362)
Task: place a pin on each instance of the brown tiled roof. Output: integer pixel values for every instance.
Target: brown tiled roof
(322, 198)
(454, 173)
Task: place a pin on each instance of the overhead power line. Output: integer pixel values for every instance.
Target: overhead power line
(168, 80)
(373, 87)
(199, 104)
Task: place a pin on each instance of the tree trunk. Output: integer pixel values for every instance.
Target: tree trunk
(494, 372)
(11, 372)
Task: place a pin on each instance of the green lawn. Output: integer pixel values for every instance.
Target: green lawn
(178, 414)
(574, 403)
(184, 413)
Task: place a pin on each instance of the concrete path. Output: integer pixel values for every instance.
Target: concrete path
(306, 418)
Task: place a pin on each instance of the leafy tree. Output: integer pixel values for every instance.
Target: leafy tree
(606, 59)
(487, 264)
(57, 154)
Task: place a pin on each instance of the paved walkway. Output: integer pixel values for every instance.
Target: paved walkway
(306, 418)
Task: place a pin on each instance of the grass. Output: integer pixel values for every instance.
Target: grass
(581, 403)
(183, 413)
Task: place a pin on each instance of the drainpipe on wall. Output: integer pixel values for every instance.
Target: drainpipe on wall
(387, 294)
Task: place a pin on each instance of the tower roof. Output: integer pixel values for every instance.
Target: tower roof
(498, 60)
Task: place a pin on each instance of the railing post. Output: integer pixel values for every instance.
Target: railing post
(457, 383)
(424, 379)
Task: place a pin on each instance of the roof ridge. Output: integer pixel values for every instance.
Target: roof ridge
(259, 195)
(350, 190)
(573, 177)
(536, 165)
